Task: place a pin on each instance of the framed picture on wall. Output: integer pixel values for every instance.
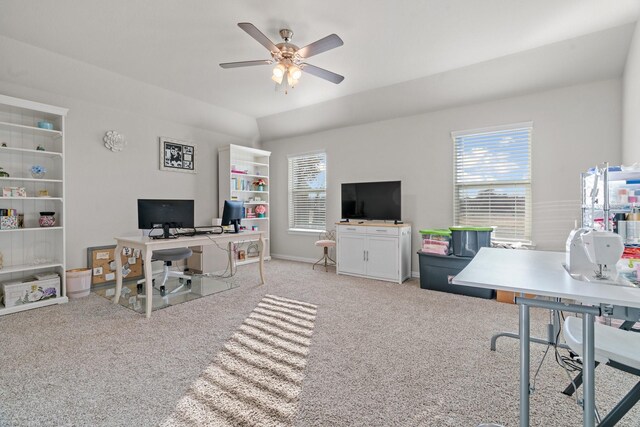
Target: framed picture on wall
(177, 156)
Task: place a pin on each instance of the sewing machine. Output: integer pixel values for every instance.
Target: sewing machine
(592, 255)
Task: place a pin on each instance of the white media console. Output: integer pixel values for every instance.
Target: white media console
(375, 250)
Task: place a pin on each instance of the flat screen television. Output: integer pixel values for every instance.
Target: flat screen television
(372, 200)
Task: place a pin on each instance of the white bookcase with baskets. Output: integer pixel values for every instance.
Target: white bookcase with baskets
(32, 235)
(241, 170)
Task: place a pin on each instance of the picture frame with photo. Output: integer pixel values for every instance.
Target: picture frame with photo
(177, 156)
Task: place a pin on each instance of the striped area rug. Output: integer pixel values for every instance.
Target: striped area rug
(257, 377)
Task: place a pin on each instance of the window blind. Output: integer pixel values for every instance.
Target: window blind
(307, 192)
(492, 172)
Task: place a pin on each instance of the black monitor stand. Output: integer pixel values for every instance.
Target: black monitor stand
(166, 231)
(236, 226)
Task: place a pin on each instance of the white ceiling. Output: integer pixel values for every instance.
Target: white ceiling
(177, 45)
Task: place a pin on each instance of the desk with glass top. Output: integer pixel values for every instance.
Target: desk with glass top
(147, 246)
(542, 273)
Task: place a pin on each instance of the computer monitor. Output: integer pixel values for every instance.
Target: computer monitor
(165, 214)
(232, 213)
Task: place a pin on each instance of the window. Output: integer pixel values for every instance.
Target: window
(307, 192)
(492, 169)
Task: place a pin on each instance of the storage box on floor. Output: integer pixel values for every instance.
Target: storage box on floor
(36, 288)
(437, 271)
(436, 241)
(467, 241)
(438, 266)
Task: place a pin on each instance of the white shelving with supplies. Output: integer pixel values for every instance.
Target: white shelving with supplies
(607, 193)
(239, 171)
(31, 249)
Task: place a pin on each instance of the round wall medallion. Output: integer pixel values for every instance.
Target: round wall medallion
(114, 141)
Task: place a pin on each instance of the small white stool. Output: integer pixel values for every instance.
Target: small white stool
(617, 348)
(326, 240)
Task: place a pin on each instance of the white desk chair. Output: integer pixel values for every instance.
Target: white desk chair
(167, 256)
(326, 240)
(617, 348)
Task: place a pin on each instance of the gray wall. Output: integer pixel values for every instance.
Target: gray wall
(631, 122)
(574, 128)
(102, 187)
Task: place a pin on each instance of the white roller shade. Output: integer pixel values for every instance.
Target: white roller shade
(307, 192)
(492, 170)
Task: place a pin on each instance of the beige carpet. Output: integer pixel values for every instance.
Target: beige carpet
(382, 354)
(257, 378)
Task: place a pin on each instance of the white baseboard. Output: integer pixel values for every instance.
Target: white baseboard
(294, 258)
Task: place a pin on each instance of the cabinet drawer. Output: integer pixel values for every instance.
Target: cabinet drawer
(351, 229)
(382, 231)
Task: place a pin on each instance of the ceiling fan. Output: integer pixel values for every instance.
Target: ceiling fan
(289, 58)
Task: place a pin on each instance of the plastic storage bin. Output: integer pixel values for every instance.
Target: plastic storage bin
(467, 241)
(437, 272)
(436, 241)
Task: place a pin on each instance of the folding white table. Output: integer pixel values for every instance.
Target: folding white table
(543, 274)
(148, 245)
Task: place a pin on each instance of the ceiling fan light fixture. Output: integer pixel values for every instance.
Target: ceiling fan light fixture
(295, 72)
(291, 81)
(277, 79)
(278, 71)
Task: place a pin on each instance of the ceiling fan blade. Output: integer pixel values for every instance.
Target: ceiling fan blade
(251, 29)
(319, 46)
(246, 63)
(322, 73)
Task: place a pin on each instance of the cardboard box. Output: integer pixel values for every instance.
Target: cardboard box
(509, 297)
(30, 290)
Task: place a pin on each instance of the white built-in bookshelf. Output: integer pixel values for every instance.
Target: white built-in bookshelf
(31, 249)
(239, 170)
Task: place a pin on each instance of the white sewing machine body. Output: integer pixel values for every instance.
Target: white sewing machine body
(592, 256)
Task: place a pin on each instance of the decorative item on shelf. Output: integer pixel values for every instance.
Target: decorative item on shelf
(38, 171)
(259, 183)
(43, 193)
(20, 220)
(3, 174)
(40, 148)
(4, 144)
(114, 141)
(8, 222)
(14, 192)
(260, 210)
(47, 219)
(43, 124)
(241, 255)
(254, 228)
(252, 250)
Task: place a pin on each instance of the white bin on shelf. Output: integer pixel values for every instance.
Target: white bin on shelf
(78, 282)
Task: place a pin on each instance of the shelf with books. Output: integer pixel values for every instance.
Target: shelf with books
(243, 174)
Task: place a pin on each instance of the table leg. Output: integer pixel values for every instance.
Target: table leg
(524, 364)
(588, 370)
(261, 263)
(118, 259)
(148, 279)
